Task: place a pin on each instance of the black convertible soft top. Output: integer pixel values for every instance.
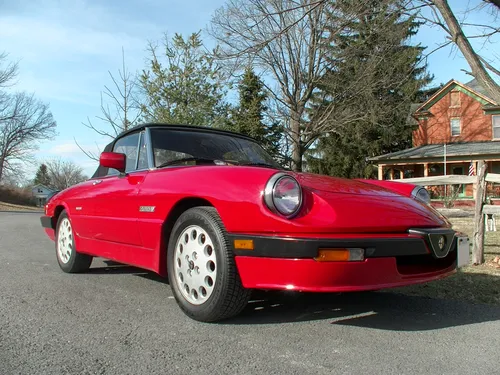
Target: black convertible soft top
(101, 171)
(183, 127)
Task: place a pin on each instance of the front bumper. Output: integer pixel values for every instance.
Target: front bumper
(310, 276)
(48, 226)
(46, 222)
(390, 261)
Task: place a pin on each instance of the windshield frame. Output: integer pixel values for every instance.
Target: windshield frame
(264, 158)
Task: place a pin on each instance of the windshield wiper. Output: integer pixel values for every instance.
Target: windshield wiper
(182, 160)
(267, 165)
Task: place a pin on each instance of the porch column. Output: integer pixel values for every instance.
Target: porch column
(391, 174)
(402, 173)
(381, 171)
(426, 169)
(474, 185)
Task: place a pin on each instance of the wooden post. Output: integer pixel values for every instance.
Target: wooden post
(380, 171)
(426, 169)
(391, 174)
(478, 240)
(402, 173)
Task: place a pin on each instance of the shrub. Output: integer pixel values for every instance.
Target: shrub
(16, 195)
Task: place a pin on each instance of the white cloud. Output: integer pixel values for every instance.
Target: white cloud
(69, 150)
(40, 40)
(65, 148)
(66, 48)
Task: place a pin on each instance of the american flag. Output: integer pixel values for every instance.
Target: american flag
(471, 169)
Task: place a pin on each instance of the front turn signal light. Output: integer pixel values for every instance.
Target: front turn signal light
(341, 255)
(243, 244)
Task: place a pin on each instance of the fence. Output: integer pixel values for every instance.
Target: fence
(482, 209)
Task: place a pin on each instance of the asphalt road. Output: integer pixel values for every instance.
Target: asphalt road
(121, 320)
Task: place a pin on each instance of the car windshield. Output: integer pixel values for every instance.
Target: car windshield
(188, 147)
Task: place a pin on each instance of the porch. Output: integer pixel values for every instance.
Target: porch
(453, 161)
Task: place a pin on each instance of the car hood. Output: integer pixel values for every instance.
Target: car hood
(356, 206)
(342, 186)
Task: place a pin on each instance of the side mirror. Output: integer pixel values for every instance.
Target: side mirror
(113, 160)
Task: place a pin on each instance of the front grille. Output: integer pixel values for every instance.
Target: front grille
(417, 264)
(439, 240)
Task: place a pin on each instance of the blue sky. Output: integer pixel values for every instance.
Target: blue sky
(66, 48)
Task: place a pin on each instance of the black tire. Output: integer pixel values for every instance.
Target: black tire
(76, 262)
(228, 297)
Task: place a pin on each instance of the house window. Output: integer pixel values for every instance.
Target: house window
(496, 126)
(455, 99)
(455, 127)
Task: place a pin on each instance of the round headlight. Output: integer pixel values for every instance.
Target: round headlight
(283, 195)
(420, 193)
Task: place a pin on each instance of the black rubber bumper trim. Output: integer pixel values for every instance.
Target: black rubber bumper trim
(46, 222)
(283, 247)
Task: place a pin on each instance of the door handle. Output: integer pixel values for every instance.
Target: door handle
(96, 182)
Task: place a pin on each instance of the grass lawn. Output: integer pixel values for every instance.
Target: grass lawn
(478, 284)
(16, 207)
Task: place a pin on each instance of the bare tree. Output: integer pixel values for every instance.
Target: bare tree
(7, 72)
(120, 109)
(432, 12)
(23, 122)
(282, 38)
(442, 16)
(64, 173)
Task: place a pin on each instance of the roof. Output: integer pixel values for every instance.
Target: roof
(435, 152)
(476, 86)
(475, 91)
(41, 185)
(183, 127)
(410, 120)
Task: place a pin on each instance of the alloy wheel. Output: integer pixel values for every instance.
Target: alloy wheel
(195, 264)
(65, 241)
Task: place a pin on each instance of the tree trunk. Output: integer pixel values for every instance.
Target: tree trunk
(296, 143)
(478, 70)
(1, 168)
(478, 240)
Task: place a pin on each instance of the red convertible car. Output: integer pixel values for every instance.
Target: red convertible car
(212, 210)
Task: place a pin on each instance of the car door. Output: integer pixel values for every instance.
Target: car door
(115, 199)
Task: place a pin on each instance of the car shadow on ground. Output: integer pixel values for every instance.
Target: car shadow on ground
(112, 267)
(378, 310)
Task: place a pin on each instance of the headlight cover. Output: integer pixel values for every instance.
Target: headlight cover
(283, 195)
(421, 194)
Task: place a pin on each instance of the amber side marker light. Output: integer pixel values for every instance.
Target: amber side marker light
(341, 255)
(243, 244)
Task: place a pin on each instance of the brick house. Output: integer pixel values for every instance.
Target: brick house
(454, 128)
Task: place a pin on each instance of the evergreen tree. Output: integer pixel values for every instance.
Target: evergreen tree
(249, 116)
(42, 176)
(373, 77)
(187, 88)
